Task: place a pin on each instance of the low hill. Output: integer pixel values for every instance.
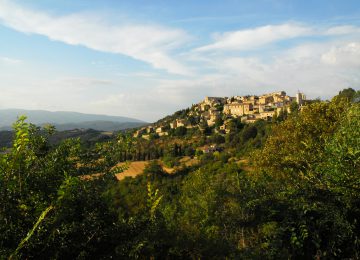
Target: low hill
(99, 125)
(68, 120)
(87, 137)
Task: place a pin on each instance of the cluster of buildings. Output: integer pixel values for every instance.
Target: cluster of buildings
(252, 108)
(145, 132)
(220, 109)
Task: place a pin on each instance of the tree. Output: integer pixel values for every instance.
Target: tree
(294, 107)
(153, 168)
(192, 120)
(249, 132)
(309, 171)
(180, 131)
(208, 203)
(217, 139)
(219, 122)
(299, 141)
(341, 170)
(46, 209)
(189, 151)
(347, 93)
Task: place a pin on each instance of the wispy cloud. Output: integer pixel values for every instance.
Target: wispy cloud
(8, 60)
(257, 37)
(78, 84)
(208, 18)
(149, 43)
(342, 30)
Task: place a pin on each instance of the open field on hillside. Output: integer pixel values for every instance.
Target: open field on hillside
(134, 169)
(188, 161)
(137, 167)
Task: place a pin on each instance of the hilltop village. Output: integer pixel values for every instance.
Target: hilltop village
(218, 111)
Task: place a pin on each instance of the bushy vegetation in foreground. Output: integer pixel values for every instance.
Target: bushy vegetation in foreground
(300, 199)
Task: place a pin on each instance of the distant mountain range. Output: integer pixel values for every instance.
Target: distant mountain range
(68, 120)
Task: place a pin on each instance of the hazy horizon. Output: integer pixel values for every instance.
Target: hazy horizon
(147, 59)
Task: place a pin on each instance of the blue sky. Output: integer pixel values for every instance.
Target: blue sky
(147, 59)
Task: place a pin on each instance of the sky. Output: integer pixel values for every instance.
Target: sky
(148, 59)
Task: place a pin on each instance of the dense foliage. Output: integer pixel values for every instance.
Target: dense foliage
(298, 197)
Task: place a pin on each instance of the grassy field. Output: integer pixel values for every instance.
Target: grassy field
(188, 161)
(134, 169)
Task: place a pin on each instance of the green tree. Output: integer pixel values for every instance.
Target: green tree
(348, 93)
(299, 142)
(294, 107)
(46, 209)
(342, 168)
(306, 166)
(180, 131)
(249, 132)
(219, 122)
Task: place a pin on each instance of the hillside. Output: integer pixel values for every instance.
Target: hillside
(285, 188)
(218, 113)
(99, 125)
(87, 136)
(68, 120)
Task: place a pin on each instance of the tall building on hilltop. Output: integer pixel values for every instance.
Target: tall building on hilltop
(300, 98)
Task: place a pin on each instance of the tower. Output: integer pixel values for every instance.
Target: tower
(300, 97)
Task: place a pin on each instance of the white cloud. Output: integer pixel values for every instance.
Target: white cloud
(249, 39)
(342, 30)
(148, 43)
(318, 69)
(345, 55)
(327, 61)
(257, 37)
(8, 60)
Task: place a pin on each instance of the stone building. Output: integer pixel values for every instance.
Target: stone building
(238, 109)
(300, 98)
